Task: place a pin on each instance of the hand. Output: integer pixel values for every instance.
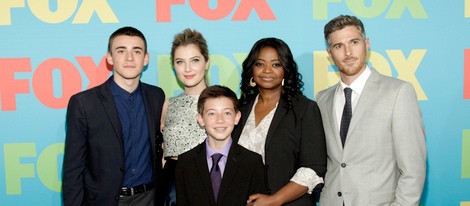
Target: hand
(261, 200)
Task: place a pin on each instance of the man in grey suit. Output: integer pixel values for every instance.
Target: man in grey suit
(376, 149)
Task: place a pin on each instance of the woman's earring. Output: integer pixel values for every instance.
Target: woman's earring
(282, 83)
(252, 83)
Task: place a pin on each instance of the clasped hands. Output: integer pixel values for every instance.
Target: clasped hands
(262, 200)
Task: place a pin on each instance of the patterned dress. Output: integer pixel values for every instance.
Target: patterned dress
(182, 132)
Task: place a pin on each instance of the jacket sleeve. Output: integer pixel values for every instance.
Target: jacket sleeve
(258, 178)
(181, 195)
(409, 146)
(313, 145)
(74, 154)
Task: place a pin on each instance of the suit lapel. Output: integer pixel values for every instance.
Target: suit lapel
(231, 169)
(333, 122)
(150, 107)
(200, 162)
(367, 98)
(277, 118)
(108, 104)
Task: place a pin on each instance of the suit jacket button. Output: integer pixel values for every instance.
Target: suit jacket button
(343, 165)
(122, 169)
(339, 194)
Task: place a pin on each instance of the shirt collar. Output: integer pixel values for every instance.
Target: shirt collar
(224, 151)
(116, 90)
(358, 85)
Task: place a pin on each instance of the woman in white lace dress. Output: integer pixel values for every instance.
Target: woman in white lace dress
(281, 124)
(181, 132)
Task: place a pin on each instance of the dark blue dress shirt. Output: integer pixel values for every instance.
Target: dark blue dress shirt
(135, 135)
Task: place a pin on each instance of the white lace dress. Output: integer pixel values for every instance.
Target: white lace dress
(182, 131)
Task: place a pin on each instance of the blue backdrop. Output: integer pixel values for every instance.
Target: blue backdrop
(51, 50)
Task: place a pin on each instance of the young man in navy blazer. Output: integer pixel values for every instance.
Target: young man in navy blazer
(242, 171)
(112, 156)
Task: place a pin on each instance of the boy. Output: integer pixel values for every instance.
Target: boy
(240, 171)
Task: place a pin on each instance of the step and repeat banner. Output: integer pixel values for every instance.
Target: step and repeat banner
(52, 49)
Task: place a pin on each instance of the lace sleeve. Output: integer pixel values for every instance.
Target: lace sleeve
(307, 177)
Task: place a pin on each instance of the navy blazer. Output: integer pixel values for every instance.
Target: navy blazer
(243, 175)
(295, 139)
(94, 162)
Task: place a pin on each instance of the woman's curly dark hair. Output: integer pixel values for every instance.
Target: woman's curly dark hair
(293, 84)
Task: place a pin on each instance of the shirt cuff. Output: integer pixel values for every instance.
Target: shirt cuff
(307, 177)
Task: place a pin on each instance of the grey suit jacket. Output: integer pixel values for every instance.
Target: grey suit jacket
(383, 161)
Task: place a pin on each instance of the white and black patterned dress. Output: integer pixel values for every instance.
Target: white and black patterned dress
(182, 131)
